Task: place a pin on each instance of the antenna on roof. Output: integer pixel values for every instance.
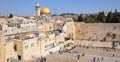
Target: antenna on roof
(55, 12)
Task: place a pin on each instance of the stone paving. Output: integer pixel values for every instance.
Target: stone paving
(85, 55)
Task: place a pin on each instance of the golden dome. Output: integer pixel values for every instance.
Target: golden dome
(45, 10)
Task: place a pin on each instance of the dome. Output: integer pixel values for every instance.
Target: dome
(45, 10)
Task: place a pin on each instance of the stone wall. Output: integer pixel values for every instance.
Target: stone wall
(94, 31)
(97, 31)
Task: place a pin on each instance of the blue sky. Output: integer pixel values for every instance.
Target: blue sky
(27, 7)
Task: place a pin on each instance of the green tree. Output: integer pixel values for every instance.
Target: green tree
(75, 19)
(80, 18)
(101, 17)
(11, 16)
(116, 17)
(90, 20)
(109, 17)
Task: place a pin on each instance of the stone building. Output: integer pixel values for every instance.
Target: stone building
(3, 21)
(2, 45)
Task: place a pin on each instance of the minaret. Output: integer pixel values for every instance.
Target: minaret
(37, 8)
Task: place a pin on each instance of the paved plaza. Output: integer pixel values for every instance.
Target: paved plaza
(80, 54)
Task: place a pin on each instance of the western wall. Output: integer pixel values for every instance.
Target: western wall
(97, 31)
(95, 34)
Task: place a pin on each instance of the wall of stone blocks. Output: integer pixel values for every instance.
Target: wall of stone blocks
(95, 31)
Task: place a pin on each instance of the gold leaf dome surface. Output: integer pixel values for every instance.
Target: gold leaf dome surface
(45, 10)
